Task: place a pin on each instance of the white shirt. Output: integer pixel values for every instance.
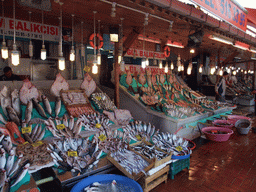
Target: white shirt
(224, 86)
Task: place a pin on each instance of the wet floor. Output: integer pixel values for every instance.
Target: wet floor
(226, 166)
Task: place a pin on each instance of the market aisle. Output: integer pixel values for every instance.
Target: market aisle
(227, 166)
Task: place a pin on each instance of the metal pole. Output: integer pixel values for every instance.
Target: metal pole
(116, 67)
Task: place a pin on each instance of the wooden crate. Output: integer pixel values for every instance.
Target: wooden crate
(156, 162)
(152, 181)
(77, 109)
(132, 176)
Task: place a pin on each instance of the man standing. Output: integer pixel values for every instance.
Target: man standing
(9, 76)
(220, 88)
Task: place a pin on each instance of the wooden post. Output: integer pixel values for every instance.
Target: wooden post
(116, 67)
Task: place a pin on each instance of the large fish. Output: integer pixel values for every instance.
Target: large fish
(22, 175)
(16, 164)
(2, 159)
(10, 161)
(13, 115)
(59, 84)
(28, 112)
(57, 106)
(27, 92)
(16, 101)
(88, 85)
(39, 108)
(47, 104)
(5, 102)
(7, 143)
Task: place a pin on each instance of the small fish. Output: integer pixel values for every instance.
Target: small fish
(2, 177)
(47, 104)
(13, 115)
(65, 120)
(39, 108)
(37, 133)
(32, 134)
(57, 106)
(28, 112)
(16, 102)
(71, 123)
(2, 119)
(22, 175)
(41, 135)
(10, 161)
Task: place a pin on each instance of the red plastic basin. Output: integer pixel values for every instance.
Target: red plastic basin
(235, 118)
(217, 137)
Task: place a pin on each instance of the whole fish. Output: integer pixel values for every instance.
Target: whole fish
(71, 123)
(39, 108)
(37, 133)
(5, 102)
(34, 131)
(16, 164)
(2, 119)
(16, 102)
(2, 158)
(41, 135)
(13, 115)
(10, 161)
(28, 112)
(2, 177)
(47, 104)
(57, 106)
(7, 143)
(22, 174)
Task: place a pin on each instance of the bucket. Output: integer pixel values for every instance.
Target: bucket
(243, 126)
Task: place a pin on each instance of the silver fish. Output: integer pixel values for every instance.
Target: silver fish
(71, 123)
(10, 161)
(2, 159)
(16, 165)
(5, 101)
(47, 104)
(78, 129)
(41, 135)
(37, 133)
(28, 112)
(34, 131)
(16, 102)
(57, 106)
(1, 137)
(39, 108)
(2, 119)
(65, 120)
(22, 175)
(7, 143)
(13, 115)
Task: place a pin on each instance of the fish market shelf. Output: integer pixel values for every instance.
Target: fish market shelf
(160, 120)
(68, 180)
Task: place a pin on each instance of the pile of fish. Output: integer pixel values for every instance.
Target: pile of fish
(32, 134)
(109, 187)
(138, 130)
(88, 85)
(75, 154)
(149, 151)
(130, 161)
(74, 98)
(103, 101)
(171, 143)
(38, 154)
(12, 170)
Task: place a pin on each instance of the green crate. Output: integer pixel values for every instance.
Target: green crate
(178, 166)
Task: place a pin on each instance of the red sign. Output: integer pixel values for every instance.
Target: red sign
(226, 10)
(138, 68)
(149, 54)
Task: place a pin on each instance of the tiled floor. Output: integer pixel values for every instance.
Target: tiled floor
(226, 166)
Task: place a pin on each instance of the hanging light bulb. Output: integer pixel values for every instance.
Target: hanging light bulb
(143, 62)
(160, 64)
(189, 70)
(242, 70)
(30, 46)
(119, 58)
(221, 72)
(182, 67)
(172, 66)
(98, 54)
(72, 51)
(166, 68)
(43, 50)
(61, 60)
(201, 69)
(154, 62)
(95, 67)
(179, 64)
(147, 62)
(15, 54)
(234, 72)
(245, 72)
(192, 51)
(228, 70)
(4, 49)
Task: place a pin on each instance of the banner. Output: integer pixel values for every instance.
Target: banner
(226, 10)
(149, 54)
(138, 68)
(25, 29)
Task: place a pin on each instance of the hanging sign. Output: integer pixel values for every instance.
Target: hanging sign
(138, 68)
(26, 30)
(226, 10)
(149, 54)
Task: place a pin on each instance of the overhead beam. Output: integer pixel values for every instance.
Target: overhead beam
(131, 38)
(230, 58)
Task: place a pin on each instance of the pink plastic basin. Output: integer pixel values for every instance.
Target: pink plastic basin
(235, 118)
(217, 137)
(219, 123)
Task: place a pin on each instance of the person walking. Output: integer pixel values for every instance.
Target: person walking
(220, 88)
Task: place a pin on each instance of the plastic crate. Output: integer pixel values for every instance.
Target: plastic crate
(178, 166)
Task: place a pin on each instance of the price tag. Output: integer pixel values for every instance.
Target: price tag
(60, 126)
(179, 148)
(24, 143)
(98, 98)
(102, 137)
(26, 130)
(98, 125)
(38, 143)
(72, 153)
(138, 137)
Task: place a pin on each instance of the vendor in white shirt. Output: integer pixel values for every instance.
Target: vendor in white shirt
(220, 88)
